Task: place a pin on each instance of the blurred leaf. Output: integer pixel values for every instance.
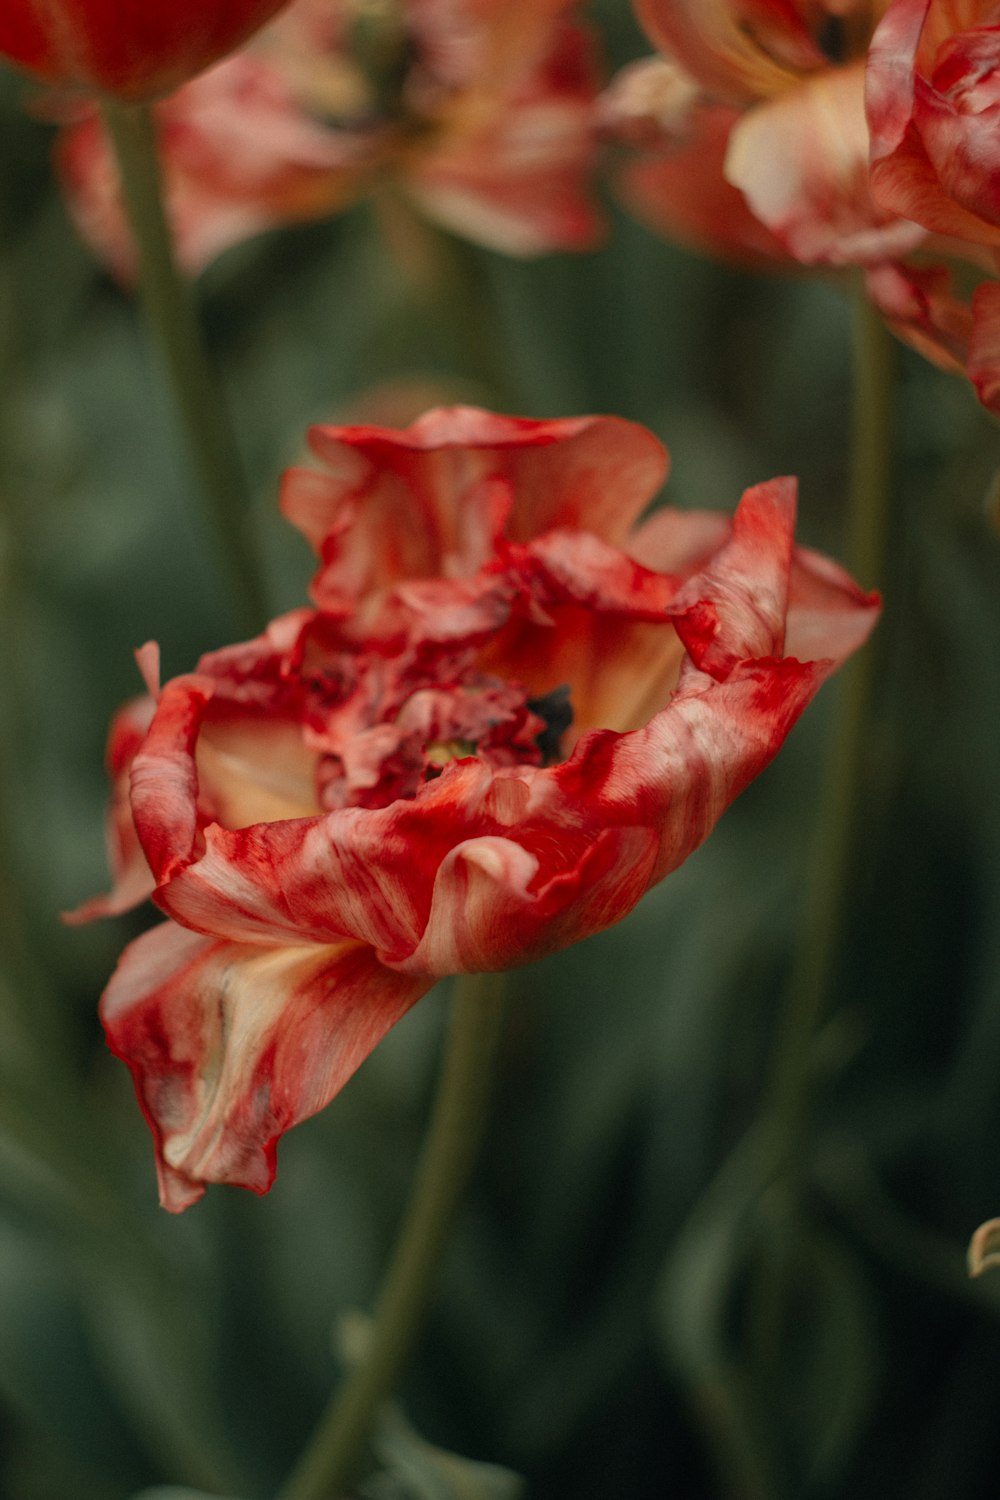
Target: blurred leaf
(175, 1492)
(832, 1358)
(47, 1375)
(158, 1352)
(419, 1471)
(695, 1304)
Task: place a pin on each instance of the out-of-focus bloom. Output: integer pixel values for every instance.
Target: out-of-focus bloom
(934, 109)
(512, 711)
(776, 109)
(131, 50)
(933, 98)
(481, 113)
(758, 149)
(676, 181)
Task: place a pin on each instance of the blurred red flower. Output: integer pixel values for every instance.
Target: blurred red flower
(482, 114)
(133, 51)
(775, 107)
(757, 148)
(933, 99)
(512, 711)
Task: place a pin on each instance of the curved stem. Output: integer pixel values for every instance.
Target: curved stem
(449, 1151)
(835, 840)
(173, 321)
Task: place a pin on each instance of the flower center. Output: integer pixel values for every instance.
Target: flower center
(385, 741)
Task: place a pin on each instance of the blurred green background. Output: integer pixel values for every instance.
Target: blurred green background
(593, 1327)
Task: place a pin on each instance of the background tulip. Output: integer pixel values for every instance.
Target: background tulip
(126, 50)
(494, 139)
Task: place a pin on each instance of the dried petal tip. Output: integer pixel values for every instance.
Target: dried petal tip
(984, 1248)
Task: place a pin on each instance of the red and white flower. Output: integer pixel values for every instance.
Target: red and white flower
(933, 100)
(776, 110)
(515, 708)
(481, 114)
(846, 132)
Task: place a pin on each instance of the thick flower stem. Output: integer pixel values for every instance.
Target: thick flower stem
(448, 1154)
(836, 836)
(173, 321)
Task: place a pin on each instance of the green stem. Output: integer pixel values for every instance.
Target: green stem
(836, 837)
(449, 1151)
(173, 321)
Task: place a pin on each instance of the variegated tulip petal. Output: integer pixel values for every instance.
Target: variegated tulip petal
(133, 880)
(230, 1046)
(591, 473)
(933, 99)
(801, 162)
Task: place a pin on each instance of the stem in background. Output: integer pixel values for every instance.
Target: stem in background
(172, 318)
(446, 281)
(835, 846)
(448, 1154)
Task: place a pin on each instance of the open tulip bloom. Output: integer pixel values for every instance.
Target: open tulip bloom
(510, 713)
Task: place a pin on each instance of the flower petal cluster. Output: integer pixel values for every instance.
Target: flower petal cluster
(482, 114)
(777, 110)
(513, 708)
(132, 51)
(831, 134)
(933, 101)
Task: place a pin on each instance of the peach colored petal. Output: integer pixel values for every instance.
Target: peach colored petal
(681, 192)
(801, 162)
(934, 156)
(517, 178)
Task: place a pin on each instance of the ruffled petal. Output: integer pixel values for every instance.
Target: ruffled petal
(736, 607)
(384, 876)
(429, 500)
(920, 306)
(229, 1046)
(934, 154)
(133, 881)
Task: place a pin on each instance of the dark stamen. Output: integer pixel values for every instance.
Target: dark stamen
(557, 711)
(831, 38)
